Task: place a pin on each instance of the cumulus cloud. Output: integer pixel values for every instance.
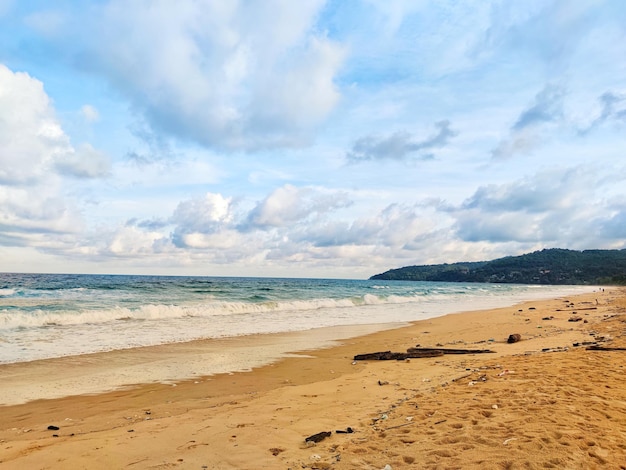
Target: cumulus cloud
(244, 75)
(551, 206)
(289, 205)
(526, 132)
(196, 218)
(36, 212)
(129, 241)
(400, 145)
(32, 141)
(35, 154)
(30, 135)
(83, 162)
(396, 225)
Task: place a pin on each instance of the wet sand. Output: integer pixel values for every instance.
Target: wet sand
(539, 403)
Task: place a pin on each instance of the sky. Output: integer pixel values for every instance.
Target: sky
(334, 139)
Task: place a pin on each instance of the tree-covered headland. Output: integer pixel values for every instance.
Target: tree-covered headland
(549, 266)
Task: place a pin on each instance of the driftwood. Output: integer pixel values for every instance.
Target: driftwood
(414, 353)
(398, 356)
(450, 351)
(578, 308)
(604, 348)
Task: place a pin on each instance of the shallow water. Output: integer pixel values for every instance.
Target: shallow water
(48, 315)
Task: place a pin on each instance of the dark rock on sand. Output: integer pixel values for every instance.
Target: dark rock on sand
(348, 430)
(514, 338)
(320, 436)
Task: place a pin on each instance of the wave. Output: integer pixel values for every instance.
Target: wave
(7, 292)
(14, 319)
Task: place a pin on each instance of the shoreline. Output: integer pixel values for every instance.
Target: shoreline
(165, 364)
(168, 363)
(235, 420)
(82, 331)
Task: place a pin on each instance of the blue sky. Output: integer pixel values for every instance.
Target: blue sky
(309, 138)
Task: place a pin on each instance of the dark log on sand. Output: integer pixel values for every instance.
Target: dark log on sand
(450, 351)
(398, 356)
(604, 348)
(578, 308)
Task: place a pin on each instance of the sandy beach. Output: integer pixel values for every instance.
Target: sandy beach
(546, 401)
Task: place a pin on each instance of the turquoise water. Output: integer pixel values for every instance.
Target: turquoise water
(51, 315)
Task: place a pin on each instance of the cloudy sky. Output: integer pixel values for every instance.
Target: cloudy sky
(307, 138)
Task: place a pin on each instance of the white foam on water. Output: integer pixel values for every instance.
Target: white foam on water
(39, 334)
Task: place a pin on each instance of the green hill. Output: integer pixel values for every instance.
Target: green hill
(550, 266)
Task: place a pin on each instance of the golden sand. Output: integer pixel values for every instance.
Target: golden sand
(538, 403)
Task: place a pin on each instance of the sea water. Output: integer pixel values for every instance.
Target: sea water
(54, 315)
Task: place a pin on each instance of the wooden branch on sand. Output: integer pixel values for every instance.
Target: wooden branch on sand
(398, 356)
(415, 353)
(451, 351)
(604, 348)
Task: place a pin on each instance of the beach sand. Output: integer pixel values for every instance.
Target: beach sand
(538, 403)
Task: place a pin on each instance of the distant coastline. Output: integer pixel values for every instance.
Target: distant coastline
(546, 267)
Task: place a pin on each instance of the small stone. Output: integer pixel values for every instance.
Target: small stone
(348, 430)
(53, 428)
(320, 436)
(514, 338)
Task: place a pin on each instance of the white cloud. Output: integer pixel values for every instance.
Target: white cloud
(203, 214)
(32, 141)
(130, 241)
(84, 162)
(226, 75)
(400, 145)
(37, 211)
(290, 205)
(35, 152)
(30, 135)
(561, 207)
(203, 222)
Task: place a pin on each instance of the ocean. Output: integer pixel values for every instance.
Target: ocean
(56, 315)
